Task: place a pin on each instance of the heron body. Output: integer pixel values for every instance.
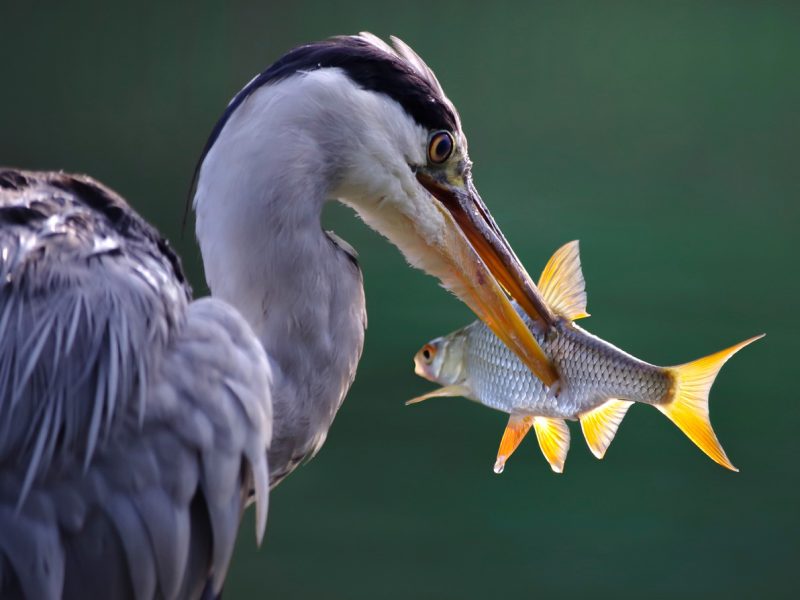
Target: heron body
(118, 478)
(137, 424)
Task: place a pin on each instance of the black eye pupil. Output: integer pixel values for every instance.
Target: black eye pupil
(426, 353)
(440, 147)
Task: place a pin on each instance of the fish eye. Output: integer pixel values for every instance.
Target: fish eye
(428, 352)
(440, 147)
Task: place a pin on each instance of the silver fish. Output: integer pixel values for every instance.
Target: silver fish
(597, 383)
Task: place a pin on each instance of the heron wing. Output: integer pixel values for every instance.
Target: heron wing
(133, 425)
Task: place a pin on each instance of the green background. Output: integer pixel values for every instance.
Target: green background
(664, 136)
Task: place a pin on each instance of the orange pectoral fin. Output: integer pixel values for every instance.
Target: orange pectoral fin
(518, 426)
(553, 436)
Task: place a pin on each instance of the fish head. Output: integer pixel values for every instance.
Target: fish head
(441, 360)
(428, 360)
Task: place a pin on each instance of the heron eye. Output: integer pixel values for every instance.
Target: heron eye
(440, 147)
(428, 352)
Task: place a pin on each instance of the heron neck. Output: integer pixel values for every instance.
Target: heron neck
(265, 253)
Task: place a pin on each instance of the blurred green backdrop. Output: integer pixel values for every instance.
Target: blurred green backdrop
(663, 135)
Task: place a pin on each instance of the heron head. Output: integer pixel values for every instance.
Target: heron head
(372, 122)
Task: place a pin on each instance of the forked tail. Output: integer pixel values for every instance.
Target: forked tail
(688, 408)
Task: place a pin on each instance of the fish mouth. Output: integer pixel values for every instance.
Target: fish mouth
(486, 272)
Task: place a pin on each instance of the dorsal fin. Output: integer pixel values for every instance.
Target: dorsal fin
(562, 285)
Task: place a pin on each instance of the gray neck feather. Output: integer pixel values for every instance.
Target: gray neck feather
(264, 250)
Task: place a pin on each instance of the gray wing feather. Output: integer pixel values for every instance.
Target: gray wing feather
(133, 424)
(232, 427)
(85, 287)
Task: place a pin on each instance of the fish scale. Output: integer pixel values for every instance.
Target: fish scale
(591, 371)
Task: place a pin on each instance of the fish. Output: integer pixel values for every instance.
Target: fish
(598, 382)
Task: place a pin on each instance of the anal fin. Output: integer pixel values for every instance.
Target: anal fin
(517, 428)
(600, 424)
(553, 436)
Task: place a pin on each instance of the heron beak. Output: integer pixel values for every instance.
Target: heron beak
(487, 272)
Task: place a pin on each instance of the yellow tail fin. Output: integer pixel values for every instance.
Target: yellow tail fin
(688, 408)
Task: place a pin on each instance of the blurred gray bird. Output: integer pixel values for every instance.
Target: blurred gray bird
(137, 424)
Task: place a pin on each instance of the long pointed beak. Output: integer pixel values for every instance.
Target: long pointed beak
(484, 266)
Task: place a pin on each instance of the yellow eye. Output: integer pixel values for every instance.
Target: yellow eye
(428, 352)
(440, 147)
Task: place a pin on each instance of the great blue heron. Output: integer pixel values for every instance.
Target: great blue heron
(135, 424)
